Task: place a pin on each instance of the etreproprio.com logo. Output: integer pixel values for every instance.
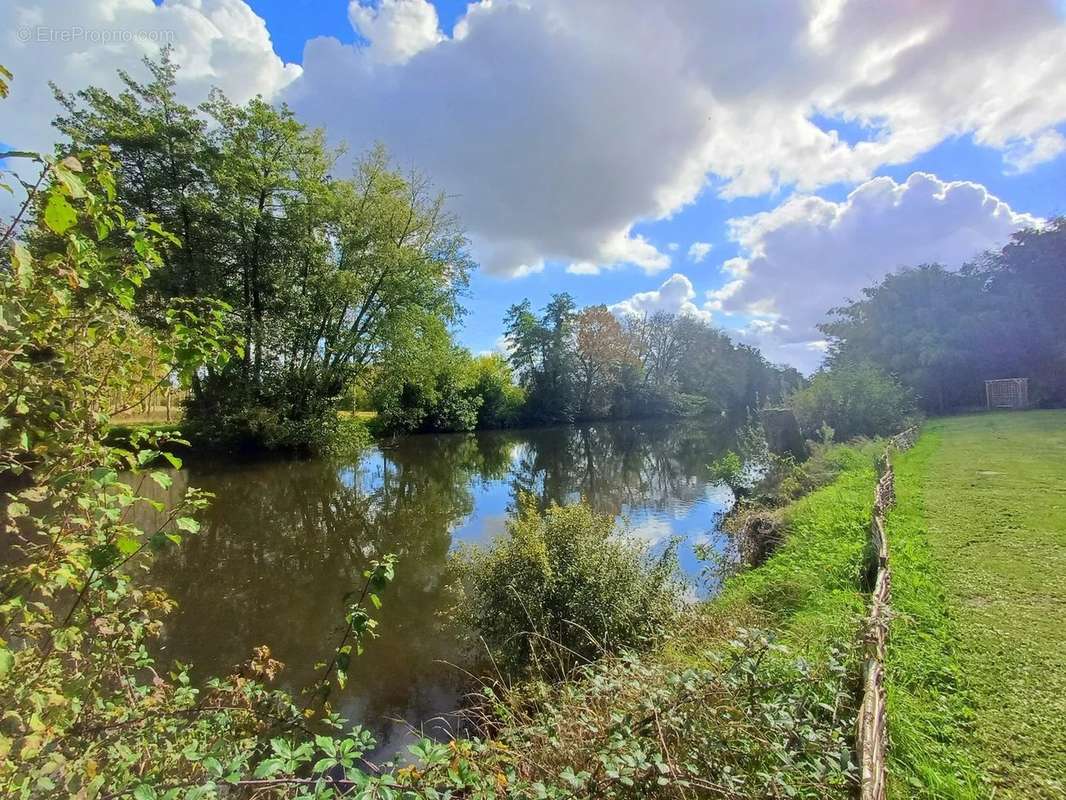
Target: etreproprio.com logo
(76, 34)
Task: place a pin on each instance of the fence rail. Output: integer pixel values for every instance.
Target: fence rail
(871, 735)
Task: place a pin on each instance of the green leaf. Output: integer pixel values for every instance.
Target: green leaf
(7, 661)
(127, 545)
(172, 459)
(269, 767)
(187, 524)
(144, 792)
(161, 478)
(23, 262)
(59, 215)
(71, 182)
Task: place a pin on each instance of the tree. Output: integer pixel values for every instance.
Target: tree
(854, 399)
(542, 353)
(1026, 281)
(602, 349)
(323, 275)
(926, 326)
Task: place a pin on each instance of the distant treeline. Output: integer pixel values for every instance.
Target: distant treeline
(942, 333)
(568, 364)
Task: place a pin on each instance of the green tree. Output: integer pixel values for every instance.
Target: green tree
(854, 399)
(542, 353)
(926, 326)
(323, 274)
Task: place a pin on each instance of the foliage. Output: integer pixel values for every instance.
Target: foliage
(728, 469)
(853, 399)
(323, 275)
(587, 364)
(542, 353)
(440, 387)
(565, 585)
(87, 712)
(943, 333)
(501, 399)
(601, 352)
(749, 720)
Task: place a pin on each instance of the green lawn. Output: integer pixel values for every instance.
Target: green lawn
(977, 658)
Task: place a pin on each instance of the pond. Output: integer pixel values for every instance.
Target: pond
(284, 541)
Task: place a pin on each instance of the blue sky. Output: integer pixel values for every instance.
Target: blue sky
(813, 146)
(1038, 191)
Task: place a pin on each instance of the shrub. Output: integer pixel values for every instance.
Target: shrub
(856, 399)
(729, 469)
(562, 585)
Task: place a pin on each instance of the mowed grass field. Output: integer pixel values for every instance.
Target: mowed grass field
(977, 656)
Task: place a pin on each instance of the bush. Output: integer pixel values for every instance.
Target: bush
(749, 719)
(501, 399)
(564, 585)
(854, 400)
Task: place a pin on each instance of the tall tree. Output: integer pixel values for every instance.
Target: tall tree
(602, 349)
(925, 326)
(542, 353)
(323, 275)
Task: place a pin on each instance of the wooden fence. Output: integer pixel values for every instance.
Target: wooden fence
(871, 735)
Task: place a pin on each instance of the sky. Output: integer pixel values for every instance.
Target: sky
(751, 164)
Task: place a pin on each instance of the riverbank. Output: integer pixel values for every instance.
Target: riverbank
(977, 656)
(754, 693)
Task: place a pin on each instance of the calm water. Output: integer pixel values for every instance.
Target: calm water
(284, 542)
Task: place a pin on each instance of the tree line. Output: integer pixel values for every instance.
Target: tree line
(926, 338)
(345, 291)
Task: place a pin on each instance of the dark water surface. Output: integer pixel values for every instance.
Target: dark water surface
(285, 541)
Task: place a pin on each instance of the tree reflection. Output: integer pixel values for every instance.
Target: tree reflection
(285, 541)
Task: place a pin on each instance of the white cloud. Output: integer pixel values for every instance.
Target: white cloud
(1027, 154)
(219, 43)
(674, 296)
(698, 251)
(809, 254)
(396, 29)
(623, 248)
(673, 247)
(560, 125)
(651, 530)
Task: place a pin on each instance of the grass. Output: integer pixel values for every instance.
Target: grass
(777, 722)
(809, 590)
(977, 656)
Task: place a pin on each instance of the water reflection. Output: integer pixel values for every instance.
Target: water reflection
(284, 542)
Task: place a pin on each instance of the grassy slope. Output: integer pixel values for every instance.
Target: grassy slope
(977, 659)
(809, 589)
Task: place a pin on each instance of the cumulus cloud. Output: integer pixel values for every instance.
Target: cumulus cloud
(219, 43)
(396, 29)
(675, 296)
(698, 251)
(810, 254)
(560, 125)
